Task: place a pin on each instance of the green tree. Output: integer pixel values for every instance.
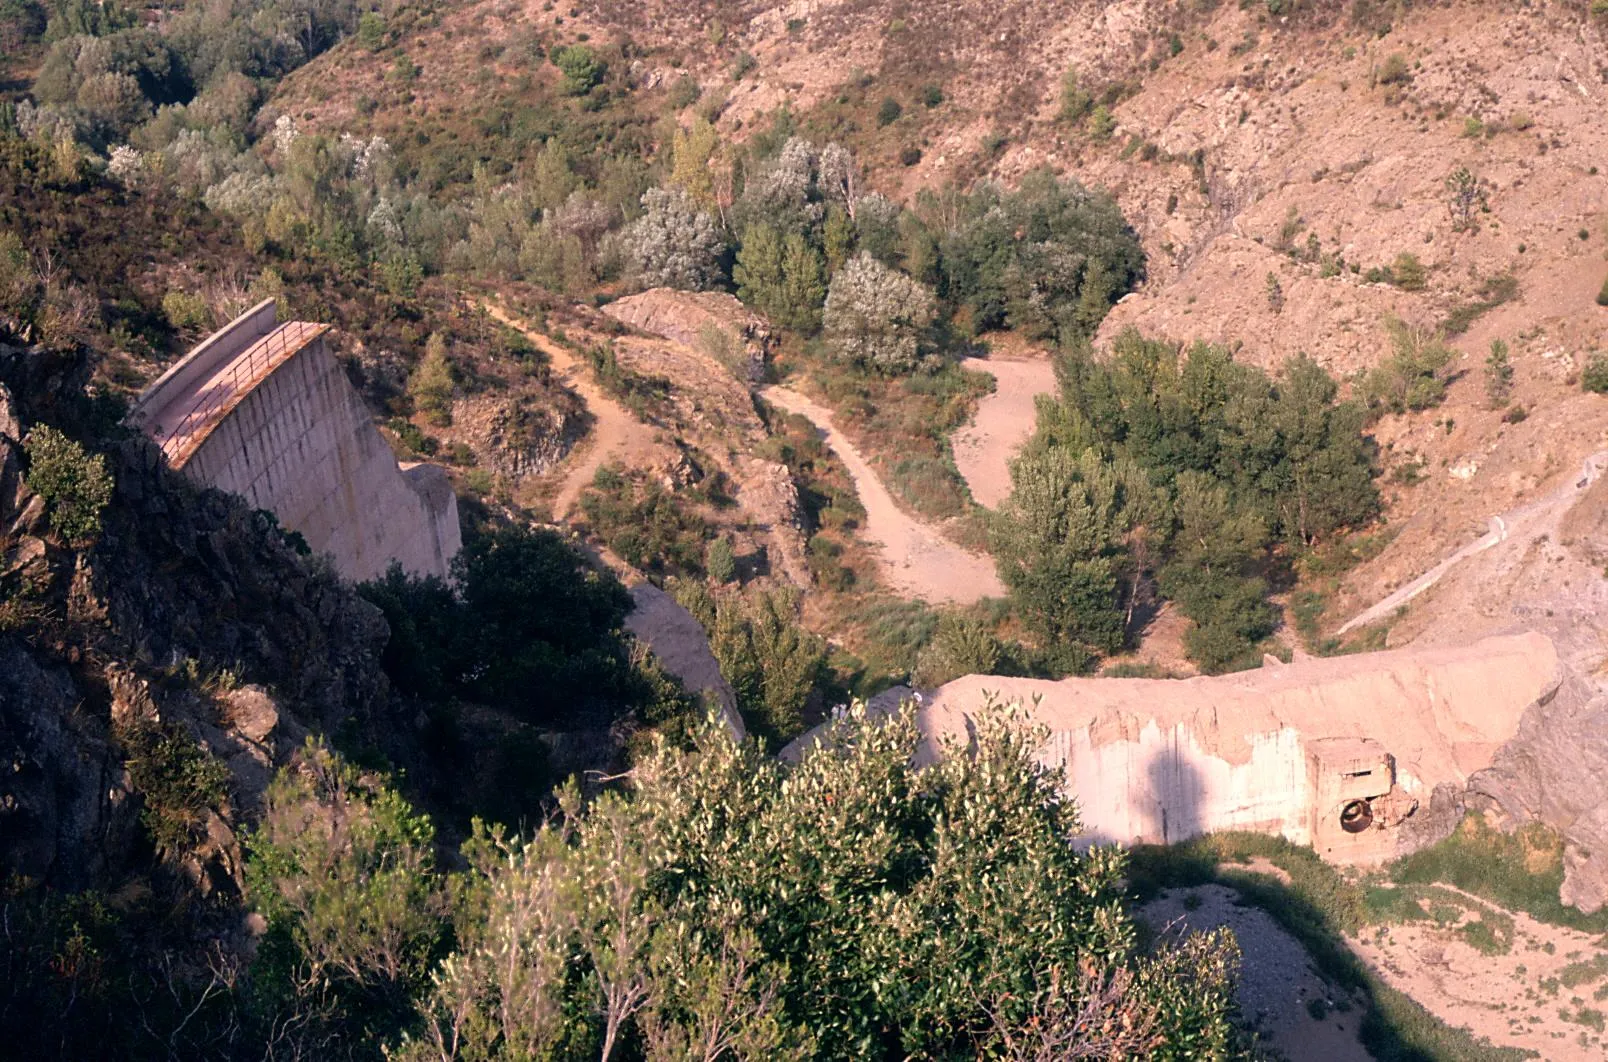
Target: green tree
(1410, 379)
(582, 69)
(1060, 541)
(772, 662)
(75, 485)
(1498, 375)
(876, 317)
(433, 382)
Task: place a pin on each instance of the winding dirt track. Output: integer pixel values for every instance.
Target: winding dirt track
(615, 432)
(1509, 524)
(916, 559)
(1005, 420)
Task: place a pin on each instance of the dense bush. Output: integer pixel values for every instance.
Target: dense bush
(842, 907)
(75, 485)
(771, 661)
(526, 625)
(1049, 258)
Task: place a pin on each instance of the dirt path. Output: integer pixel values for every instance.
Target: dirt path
(1005, 419)
(615, 432)
(1517, 522)
(916, 559)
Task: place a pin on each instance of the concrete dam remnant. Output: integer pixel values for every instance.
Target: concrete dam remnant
(264, 410)
(1341, 753)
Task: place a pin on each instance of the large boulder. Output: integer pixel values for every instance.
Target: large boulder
(1552, 772)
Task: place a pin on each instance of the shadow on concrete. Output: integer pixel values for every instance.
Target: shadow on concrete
(1176, 787)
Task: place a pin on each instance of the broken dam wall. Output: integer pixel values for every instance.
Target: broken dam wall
(1343, 754)
(265, 411)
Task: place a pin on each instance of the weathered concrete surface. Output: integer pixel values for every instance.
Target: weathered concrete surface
(266, 412)
(1156, 760)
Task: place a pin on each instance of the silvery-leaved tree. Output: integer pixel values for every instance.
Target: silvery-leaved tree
(876, 317)
(674, 244)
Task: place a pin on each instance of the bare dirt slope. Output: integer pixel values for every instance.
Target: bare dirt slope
(1005, 420)
(915, 559)
(615, 434)
(1526, 525)
(1545, 994)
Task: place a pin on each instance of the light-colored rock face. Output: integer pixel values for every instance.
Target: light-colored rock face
(1285, 749)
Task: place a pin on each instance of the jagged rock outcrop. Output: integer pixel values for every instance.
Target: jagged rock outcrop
(185, 594)
(1552, 771)
(515, 436)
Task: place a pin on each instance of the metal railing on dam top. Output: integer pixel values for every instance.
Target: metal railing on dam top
(221, 392)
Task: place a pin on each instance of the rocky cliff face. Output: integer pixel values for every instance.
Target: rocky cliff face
(189, 618)
(1552, 772)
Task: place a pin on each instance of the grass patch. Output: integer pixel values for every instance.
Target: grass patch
(1521, 871)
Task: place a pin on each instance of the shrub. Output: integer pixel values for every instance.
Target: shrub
(1602, 293)
(178, 781)
(1395, 70)
(771, 661)
(931, 96)
(433, 382)
(744, 65)
(719, 561)
(18, 286)
(1076, 102)
(1408, 272)
(1498, 375)
(75, 485)
(187, 313)
(889, 111)
(371, 31)
(1594, 377)
(1410, 378)
(910, 156)
(1102, 123)
(581, 67)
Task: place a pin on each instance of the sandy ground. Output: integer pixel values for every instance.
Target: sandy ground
(1514, 1000)
(615, 432)
(915, 559)
(984, 448)
(1277, 979)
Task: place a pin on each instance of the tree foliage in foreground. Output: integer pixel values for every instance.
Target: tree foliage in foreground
(731, 905)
